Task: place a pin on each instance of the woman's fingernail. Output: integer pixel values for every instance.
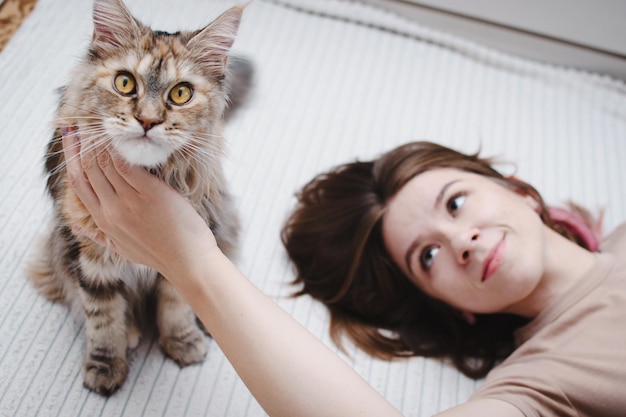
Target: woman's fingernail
(68, 131)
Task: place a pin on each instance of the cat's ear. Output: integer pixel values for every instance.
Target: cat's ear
(113, 25)
(212, 44)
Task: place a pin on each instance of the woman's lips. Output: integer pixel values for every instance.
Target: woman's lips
(494, 259)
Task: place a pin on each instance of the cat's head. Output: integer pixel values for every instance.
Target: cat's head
(151, 94)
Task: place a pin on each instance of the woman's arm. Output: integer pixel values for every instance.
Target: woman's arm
(288, 370)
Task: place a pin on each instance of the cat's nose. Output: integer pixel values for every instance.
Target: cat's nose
(148, 123)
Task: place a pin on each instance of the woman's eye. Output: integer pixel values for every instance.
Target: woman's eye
(181, 94)
(456, 202)
(427, 257)
(125, 84)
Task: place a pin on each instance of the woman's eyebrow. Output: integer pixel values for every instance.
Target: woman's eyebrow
(442, 192)
(415, 244)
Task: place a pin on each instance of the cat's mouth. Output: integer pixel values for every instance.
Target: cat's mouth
(143, 150)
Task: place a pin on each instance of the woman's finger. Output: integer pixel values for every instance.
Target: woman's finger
(99, 182)
(127, 180)
(117, 182)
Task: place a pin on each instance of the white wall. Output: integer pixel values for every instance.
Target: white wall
(588, 34)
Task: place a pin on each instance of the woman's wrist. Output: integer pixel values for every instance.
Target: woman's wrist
(196, 275)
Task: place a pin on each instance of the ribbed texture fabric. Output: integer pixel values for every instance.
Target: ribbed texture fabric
(335, 81)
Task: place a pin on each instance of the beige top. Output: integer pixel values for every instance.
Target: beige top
(571, 359)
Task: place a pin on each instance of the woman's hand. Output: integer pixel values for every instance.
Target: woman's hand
(141, 217)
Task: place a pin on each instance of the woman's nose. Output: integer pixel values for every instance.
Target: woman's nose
(463, 244)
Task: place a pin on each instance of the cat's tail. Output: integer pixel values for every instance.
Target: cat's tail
(239, 80)
(39, 271)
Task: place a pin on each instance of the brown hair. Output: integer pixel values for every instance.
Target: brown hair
(334, 238)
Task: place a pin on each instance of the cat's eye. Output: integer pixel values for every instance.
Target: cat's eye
(125, 84)
(181, 94)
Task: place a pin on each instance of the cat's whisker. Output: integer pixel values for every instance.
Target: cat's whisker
(87, 131)
(61, 120)
(204, 135)
(199, 158)
(89, 135)
(95, 141)
(87, 110)
(202, 144)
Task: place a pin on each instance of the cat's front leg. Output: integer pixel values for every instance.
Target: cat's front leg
(105, 366)
(179, 335)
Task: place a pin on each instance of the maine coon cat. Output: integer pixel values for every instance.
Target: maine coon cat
(159, 100)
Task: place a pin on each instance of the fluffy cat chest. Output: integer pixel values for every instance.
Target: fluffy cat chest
(109, 270)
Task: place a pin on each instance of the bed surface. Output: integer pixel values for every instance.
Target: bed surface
(335, 81)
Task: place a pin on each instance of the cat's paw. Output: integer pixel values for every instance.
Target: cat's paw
(185, 349)
(105, 375)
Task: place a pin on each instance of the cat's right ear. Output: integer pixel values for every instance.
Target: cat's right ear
(113, 25)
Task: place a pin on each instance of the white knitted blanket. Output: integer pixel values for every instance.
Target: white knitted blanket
(335, 81)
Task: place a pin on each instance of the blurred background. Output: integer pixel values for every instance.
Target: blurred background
(586, 34)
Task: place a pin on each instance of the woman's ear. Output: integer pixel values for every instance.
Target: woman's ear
(517, 186)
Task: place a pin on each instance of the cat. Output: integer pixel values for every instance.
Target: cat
(159, 100)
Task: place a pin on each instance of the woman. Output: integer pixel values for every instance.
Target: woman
(135, 210)
(366, 289)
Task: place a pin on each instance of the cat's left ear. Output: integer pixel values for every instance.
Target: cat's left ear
(213, 43)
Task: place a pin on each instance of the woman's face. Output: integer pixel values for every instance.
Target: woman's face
(467, 240)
